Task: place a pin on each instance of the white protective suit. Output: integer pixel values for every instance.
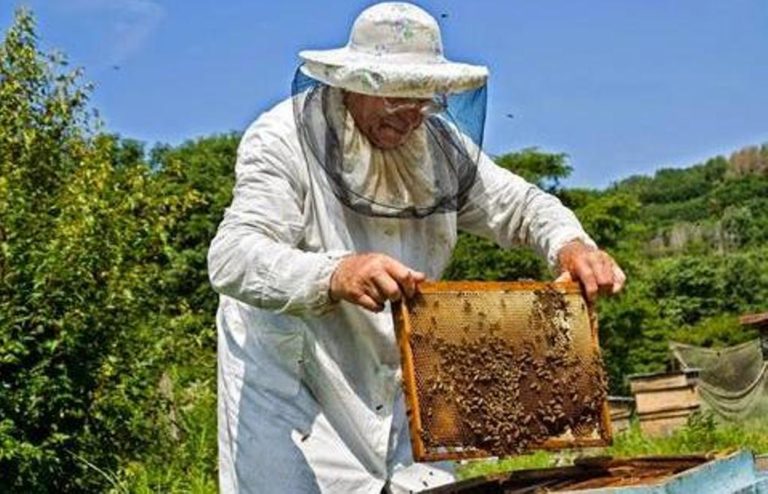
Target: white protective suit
(309, 395)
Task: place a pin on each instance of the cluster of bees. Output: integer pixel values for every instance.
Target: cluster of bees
(513, 397)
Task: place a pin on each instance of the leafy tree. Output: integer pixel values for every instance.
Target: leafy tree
(84, 249)
(718, 331)
(622, 322)
(205, 169)
(478, 259)
(686, 288)
(607, 217)
(544, 169)
(751, 160)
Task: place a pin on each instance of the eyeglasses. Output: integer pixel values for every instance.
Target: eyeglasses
(430, 106)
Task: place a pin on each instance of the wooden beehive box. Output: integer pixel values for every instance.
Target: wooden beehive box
(665, 400)
(622, 408)
(493, 369)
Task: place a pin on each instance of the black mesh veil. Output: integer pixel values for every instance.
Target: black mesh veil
(431, 173)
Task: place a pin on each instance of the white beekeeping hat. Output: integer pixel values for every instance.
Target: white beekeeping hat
(394, 50)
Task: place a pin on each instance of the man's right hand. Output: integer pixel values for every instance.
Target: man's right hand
(369, 280)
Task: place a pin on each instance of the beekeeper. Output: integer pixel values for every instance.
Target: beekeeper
(349, 194)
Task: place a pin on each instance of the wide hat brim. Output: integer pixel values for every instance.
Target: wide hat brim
(390, 75)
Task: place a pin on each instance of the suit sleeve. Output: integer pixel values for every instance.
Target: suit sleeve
(503, 207)
(255, 256)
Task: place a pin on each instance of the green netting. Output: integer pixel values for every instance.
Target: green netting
(733, 381)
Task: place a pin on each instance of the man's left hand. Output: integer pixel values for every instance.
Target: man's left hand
(594, 268)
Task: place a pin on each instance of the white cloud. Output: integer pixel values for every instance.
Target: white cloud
(142, 17)
(130, 22)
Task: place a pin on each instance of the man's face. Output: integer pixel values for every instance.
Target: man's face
(386, 122)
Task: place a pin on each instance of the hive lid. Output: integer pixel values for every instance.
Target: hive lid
(759, 321)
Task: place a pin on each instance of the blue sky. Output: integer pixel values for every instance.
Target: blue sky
(621, 86)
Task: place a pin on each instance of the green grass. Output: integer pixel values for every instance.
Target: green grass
(476, 468)
(702, 434)
(189, 466)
